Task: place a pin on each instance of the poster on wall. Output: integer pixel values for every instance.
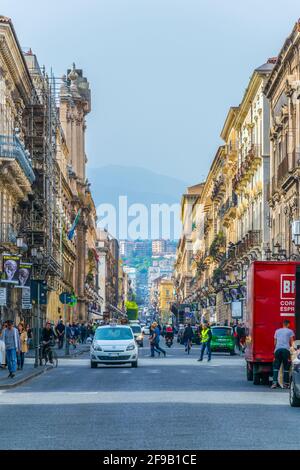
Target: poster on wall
(24, 274)
(242, 292)
(234, 293)
(226, 296)
(11, 265)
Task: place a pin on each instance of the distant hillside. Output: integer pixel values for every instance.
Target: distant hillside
(138, 184)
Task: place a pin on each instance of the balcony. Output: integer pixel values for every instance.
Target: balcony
(252, 239)
(11, 148)
(248, 166)
(207, 222)
(218, 189)
(228, 210)
(7, 234)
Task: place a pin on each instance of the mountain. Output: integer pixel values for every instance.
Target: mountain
(138, 184)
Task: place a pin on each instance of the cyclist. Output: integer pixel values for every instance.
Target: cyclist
(169, 332)
(188, 336)
(48, 337)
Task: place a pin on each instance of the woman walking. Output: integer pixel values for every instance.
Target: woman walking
(23, 346)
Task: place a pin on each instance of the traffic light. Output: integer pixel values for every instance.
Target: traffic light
(39, 287)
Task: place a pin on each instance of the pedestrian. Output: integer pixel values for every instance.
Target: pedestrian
(68, 337)
(151, 341)
(241, 332)
(89, 331)
(83, 331)
(11, 339)
(206, 336)
(23, 346)
(283, 340)
(156, 339)
(60, 333)
(236, 337)
(2, 351)
(29, 336)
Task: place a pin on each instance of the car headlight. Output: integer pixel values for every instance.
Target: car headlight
(96, 347)
(131, 347)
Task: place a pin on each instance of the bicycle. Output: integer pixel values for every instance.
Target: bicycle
(44, 354)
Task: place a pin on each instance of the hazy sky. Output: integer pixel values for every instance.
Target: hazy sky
(163, 73)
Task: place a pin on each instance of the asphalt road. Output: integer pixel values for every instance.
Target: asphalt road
(166, 403)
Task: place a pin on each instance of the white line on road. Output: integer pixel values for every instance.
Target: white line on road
(124, 397)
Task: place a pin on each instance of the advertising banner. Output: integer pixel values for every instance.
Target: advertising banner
(11, 264)
(212, 300)
(226, 296)
(24, 274)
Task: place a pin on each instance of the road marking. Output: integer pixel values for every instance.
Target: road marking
(278, 398)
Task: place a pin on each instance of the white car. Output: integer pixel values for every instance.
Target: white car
(114, 344)
(146, 330)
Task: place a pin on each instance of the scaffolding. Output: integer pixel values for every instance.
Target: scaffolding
(41, 224)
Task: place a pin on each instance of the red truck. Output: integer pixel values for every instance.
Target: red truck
(273, 296)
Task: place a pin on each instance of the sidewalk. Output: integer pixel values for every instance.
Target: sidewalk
(29, 371)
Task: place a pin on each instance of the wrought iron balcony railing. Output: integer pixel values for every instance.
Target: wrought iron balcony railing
(12, 148)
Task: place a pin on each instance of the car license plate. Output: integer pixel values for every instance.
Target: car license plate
(113, 355)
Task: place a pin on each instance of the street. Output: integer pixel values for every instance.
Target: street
(166, 403)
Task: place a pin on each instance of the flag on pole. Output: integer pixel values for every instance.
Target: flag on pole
(74, 225)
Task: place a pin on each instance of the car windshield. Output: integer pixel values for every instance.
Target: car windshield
(221, 331)
(136, 328)
(113, 333)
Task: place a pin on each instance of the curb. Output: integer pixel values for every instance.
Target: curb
(25, 379)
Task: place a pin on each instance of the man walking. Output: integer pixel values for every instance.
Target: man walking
(11, 339)
(283, 340)
(156, 338)
(60, 332)
(206, 336)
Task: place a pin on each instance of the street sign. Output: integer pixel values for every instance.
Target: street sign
(26, 299)
(3, 296)
(68, 299)
(65, 298)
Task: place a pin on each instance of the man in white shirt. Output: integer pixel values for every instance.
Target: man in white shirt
(283, 340)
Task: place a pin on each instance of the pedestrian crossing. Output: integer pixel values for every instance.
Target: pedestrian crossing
(145, 396)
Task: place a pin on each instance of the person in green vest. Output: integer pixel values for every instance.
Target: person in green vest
(206, 336)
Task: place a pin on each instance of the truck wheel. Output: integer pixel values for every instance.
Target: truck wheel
(256, 378)
(294, 400)
(266, 379)
(249, 372)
